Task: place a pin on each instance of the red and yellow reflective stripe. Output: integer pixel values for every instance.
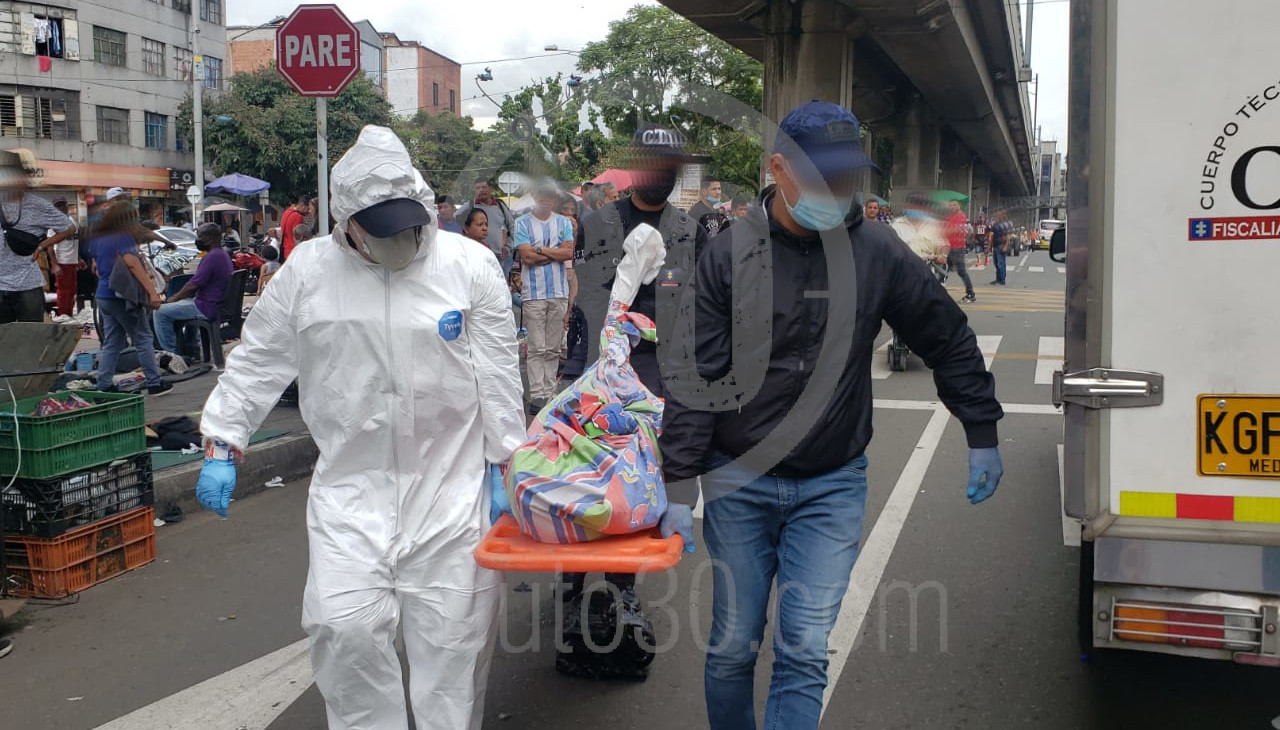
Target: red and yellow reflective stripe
(1200, 507)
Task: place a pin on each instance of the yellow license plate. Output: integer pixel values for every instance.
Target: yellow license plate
(1239, 436)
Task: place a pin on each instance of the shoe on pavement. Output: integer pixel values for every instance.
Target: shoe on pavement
(6, 646)
(995, 283)
(969, 298)
(162, 389)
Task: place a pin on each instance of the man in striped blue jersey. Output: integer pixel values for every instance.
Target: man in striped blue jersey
(544, 243)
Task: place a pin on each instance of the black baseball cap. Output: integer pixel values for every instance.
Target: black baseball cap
(659, 142)
(390, 217)
(826, 133)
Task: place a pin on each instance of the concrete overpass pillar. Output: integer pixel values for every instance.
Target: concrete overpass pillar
(917, 153)
(955, 161)
(808, 54)
(980, 198)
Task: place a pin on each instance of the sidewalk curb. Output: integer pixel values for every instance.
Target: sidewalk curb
(290, 457)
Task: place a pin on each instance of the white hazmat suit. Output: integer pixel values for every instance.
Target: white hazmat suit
(409, 382)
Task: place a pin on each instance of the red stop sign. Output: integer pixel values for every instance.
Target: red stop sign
(318, 50)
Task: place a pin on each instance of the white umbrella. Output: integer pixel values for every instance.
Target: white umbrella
(223, 208)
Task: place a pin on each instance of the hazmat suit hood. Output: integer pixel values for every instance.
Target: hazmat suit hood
(376, 169)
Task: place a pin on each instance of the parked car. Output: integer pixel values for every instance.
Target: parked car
(180, 236)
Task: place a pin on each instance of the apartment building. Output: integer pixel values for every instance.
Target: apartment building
(420, 79)
(93, 88)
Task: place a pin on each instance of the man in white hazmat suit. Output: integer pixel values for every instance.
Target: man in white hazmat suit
(402, 342)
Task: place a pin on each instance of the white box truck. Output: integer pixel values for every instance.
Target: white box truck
(1171, 379)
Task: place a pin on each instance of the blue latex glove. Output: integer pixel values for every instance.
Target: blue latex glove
(217, 479)
(678, 520)
(499, 504)
(985, 470)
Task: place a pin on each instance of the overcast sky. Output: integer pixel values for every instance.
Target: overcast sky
(479, 36)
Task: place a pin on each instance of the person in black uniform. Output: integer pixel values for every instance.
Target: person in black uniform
(657, 155)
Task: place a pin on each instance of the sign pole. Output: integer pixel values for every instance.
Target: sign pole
(322, 165)
(318, 54)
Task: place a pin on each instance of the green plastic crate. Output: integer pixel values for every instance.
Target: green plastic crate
(70, 442)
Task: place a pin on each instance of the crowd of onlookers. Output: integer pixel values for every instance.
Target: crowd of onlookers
(119, 267)
(534, 247)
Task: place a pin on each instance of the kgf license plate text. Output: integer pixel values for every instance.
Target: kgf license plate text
(1239, 436)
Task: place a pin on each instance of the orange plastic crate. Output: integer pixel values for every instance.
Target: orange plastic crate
(505, 548)
(60, 566)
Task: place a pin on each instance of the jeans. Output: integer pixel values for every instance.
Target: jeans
(172, 312)
(956, 259)
(22, 306)
(544, 320)
(806, 532)
(121, 320)
(1000, 260)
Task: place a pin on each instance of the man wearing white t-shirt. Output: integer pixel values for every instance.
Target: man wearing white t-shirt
(66, 264)
(544, 242)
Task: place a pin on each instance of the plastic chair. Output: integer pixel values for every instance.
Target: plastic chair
(230, 318)
(176, 283)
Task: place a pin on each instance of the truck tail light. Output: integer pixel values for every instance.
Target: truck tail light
(1186, 625)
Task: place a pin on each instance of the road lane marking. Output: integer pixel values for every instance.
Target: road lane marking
(880, 361)
(1031, 409)
(877, 548)
(1046, 366)
(988, 344)
(1026, 356)
(906, 405)
(1062, 269)
(1070, 526)
(1036, 269)
(1017, 409)
(251, 696)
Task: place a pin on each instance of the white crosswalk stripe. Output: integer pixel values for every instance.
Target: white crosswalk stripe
(1036, 269)
(989, 344)
(1049, 359)
(1062, 269)
(880, 362)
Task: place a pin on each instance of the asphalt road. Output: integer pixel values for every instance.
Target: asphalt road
(960, 616)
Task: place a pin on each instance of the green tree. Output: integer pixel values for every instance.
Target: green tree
(655, 66)
(271, 132)
(442, 146)
(560, 146)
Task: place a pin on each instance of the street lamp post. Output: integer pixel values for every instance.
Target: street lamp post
(197, 108)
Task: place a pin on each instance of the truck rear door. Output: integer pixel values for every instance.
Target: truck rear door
(1174, 304)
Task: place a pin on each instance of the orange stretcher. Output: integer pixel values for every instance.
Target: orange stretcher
(507, 549)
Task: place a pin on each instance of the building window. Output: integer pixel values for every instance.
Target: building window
(113, 125)
(50, 36)
(108, 46)
(183, 5)
(435, 94)
(212, 72)
(211, 11)
(153, 57)
(157, 131)
(182, 63)
(453, 101)
(47, 115)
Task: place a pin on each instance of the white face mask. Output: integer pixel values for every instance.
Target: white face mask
(395, 252)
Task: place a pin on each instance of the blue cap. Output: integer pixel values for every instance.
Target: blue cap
(826, 133)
